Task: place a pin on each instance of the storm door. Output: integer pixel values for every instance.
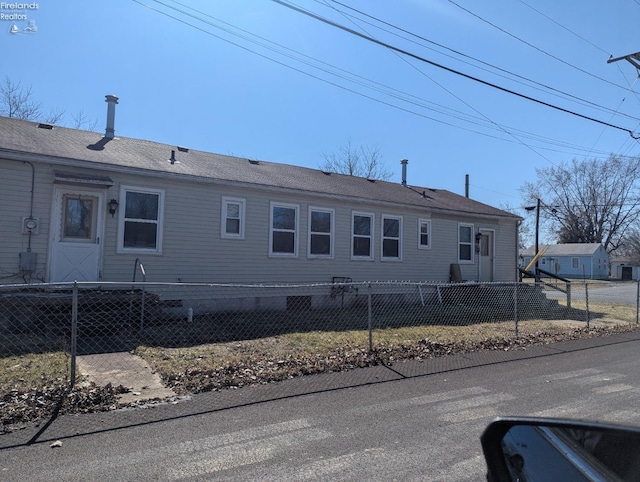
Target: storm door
(77, 226)
(486, 255)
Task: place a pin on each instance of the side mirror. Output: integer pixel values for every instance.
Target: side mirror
(528, 449)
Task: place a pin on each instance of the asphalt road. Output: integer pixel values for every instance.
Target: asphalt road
(624, 293)
(418, 421)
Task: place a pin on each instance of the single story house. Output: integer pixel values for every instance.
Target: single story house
(571, 260)
(79, 205)
(624, 268)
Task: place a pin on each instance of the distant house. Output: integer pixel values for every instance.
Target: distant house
(571, 260)
(624, 268)
(77, 205)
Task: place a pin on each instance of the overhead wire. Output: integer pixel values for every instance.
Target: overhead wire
(564, 27)
(629, 89)
(506, 32)
(525, 80)
(503, 129)
(452, 70)
(440, 109)
(312, 75)
(527, 135)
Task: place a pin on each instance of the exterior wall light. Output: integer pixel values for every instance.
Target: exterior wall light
(113, 207)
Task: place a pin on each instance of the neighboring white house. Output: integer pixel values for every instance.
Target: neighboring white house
(624, 268)
(571, 260)
(77, 205)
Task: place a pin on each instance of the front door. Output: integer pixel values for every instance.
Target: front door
(76, 230)
(486, 255)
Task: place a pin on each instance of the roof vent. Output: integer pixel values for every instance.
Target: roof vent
(326, 173)
(183, 149)
(173, 159)
(371, 180)
(404, 163)
(45, 126)
(254, 162)
(110, 131)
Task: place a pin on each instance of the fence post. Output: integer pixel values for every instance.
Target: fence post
(515, 306)
(586, 300)
(568, 285)
(370, 317)
(74, 332)
(637, 299)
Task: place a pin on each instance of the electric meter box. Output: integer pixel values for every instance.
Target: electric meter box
(28, 261)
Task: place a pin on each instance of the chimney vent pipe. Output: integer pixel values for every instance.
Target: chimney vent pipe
(404, 163)
(111, 100)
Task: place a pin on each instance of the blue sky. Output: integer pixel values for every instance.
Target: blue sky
(256, 79)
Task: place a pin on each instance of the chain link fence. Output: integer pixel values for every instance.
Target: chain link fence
(154, 340)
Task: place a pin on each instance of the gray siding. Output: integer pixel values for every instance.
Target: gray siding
(194, 251)
(15, 202)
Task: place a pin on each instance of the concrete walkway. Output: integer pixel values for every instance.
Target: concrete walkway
(126, 369)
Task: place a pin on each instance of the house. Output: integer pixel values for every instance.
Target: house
(571, 260)
(78, 205)
(624, 268)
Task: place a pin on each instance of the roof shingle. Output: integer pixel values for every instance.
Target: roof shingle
(62, 145)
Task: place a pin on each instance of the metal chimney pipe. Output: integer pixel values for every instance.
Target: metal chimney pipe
(111, 100)
(404, 163)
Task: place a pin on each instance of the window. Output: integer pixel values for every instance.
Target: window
(424, 233)
(79, 218)
(465, 243)
(232, 218)
(284, 230)
(362, 236)
(141, 220)
(391, 241)
(575, 263)
(321, 232)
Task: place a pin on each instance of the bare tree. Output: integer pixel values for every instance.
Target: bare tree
(82, 121)
(524, 228)
(17, 101)
(361, 162)
(590, 201)
(630, 246)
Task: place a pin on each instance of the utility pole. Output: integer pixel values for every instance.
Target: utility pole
(537, 238)
(633, 59)
(537, 208)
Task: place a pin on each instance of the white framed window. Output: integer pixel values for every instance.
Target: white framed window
(283, 238)
(232, 218)
(391, 238)
(465, 243)
(361, 235)
(424, 233)
(321, 228)
(575, 263)
(140, 220)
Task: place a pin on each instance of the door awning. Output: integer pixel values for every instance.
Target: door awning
(83, 179)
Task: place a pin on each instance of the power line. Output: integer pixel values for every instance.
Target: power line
(565, 28)
(532, 46)
(501, 128)
(510, 132)
(362, 81)
(310, 74)
(461, 54)
(449, 69)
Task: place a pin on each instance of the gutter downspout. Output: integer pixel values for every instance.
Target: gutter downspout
(33, 183)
